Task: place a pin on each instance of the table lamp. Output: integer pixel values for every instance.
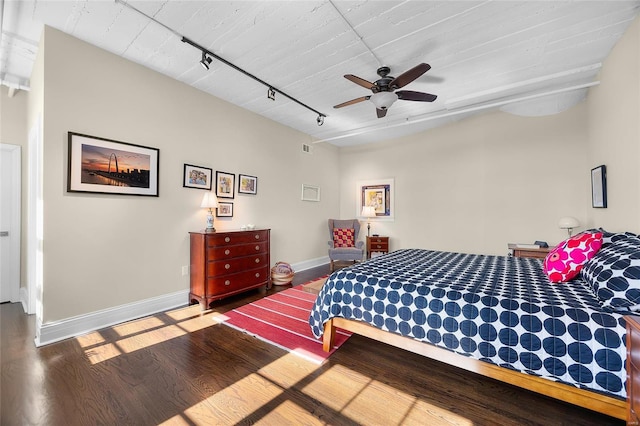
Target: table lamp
(368, 212)
(209, 201)
(568, 223)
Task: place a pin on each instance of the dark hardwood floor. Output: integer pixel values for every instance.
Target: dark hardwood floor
(180, 367)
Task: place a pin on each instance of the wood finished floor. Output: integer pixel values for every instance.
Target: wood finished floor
(179, 367)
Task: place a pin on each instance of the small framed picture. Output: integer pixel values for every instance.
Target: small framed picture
(225, 184)
(197, 177)
(247, 184)
(599, 187)
(224, 209)
(310, 192)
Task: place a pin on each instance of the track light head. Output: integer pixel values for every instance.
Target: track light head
(320, 120)
(271, 94)
(206, 60)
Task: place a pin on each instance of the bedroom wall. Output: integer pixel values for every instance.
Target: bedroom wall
(614, 134)
(102, 251)
(478, 184)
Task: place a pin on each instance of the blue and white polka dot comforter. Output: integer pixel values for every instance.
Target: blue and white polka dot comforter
(502, 310)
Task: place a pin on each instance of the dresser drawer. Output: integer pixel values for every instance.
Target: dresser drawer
(380, 246)
(232, 238)
(228, 252)
(237, 282)
(232, 266)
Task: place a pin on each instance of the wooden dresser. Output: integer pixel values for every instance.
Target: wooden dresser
(633, 369)
(377, 244)
(226, 263)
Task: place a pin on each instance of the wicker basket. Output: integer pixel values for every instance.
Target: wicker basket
(282, 274)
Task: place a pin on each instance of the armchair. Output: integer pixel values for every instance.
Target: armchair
(343, 243)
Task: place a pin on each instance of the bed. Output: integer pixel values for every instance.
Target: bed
(497, 316)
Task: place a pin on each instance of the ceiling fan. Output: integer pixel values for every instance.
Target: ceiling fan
(384, 94)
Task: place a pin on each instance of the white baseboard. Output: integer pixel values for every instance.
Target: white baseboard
(82, 324)
(308, 264)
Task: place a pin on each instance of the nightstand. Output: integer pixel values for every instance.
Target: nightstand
(377, 244)
(535, 253)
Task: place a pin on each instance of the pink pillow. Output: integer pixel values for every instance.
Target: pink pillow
(564, 262)
(343, 237)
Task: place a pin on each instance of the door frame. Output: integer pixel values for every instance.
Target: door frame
(15, 234)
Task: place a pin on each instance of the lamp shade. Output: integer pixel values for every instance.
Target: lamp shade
(568, 222)
(368, 211)
(209, 201)
(383, 100)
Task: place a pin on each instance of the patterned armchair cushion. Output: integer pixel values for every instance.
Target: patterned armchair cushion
(564, 262)
(614, 274)
(343, 237)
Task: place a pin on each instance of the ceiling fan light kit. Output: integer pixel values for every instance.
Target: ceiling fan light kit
(383, 100)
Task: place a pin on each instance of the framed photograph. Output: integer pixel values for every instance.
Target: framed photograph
(224, 210)
(599, 187)
(111, 167)
(247, 184)
(197, 177)
(310, 192)
(225, 184)
(378, 194)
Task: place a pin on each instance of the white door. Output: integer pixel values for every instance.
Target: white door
(9, 223)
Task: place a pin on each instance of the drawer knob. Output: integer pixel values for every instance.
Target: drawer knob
(227, 239)
(227, 266)
(227, 252)
(257, 274)
(257, 260)
(257, 248)
(257, 236)
(379, 246)
(227, 282)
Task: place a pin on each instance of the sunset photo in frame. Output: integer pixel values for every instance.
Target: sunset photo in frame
(197, 177)
(107, 166)
(225, 184)
(378, 194)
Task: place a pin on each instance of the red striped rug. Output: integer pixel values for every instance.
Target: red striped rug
(282, 319)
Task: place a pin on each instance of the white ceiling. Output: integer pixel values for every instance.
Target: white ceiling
(526, 57)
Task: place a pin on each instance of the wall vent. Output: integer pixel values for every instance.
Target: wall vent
(306, 148)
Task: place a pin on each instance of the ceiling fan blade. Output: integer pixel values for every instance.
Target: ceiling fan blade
(352, 101)
(408, 95)
(381, 112)
(408, 76)
(360, 81)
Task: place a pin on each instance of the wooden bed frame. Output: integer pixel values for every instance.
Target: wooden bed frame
(584, 398)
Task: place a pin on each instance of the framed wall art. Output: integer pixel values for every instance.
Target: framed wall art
(225, 184)
(247, 184)
(378, 194)
(599, 187)
(197, 177)
(107, 166)
(224, 209)
(310, 192)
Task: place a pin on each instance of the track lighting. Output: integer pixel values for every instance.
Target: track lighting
(208, 56)
(206, 60)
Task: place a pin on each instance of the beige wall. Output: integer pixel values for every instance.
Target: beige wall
(102, 251)
(478, 184)
(614, 134)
